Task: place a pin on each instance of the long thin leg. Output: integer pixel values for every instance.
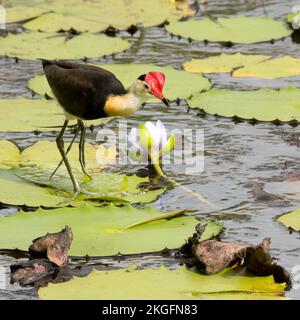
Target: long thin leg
(60, 146)
(67, 151)
(81, 147)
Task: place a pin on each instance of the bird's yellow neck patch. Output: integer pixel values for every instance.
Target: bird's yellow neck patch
(122, 106)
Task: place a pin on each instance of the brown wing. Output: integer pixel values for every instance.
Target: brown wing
(81, 89)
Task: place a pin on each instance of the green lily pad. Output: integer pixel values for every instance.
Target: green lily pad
(291, 219)
(162, 284)
(21, 13)
(235, 30)
(32, 114)
(127, 73)
(36, 45)
(222, 63)
(53, 22)
(99, 231)
(97, 16)
(25, 178)
(271, 68)
(263, 104)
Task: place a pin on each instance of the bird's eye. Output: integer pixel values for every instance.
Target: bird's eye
(146, 86)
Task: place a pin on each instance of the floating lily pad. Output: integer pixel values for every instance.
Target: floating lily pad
(235, 30)
(162, 284)
(96, 16)
(271, 68)
(44, 154)
(99, 231)
(21, 13)
(53, 22)
(25, 178)
(36, 45)
(263, 104)
(222, 63)
(291, 219)
(32, 114)
(127, 73)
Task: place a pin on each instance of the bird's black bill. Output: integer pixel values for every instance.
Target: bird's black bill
(166, 102)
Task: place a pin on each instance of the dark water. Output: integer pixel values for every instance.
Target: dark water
(237, 153)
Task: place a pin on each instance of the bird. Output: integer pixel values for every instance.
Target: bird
(87, 92)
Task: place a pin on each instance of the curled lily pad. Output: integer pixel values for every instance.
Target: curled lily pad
(235, 30)
(161, 284)
(97, 16)
(32, 114)
(25, 178)
(271, 68)
(291, 220)
(36, 45)
(99, 231)
(263, 104)
(222, 63)
(126, 73)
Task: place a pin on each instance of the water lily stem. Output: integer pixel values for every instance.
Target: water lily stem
(193, 193)
(186, 189)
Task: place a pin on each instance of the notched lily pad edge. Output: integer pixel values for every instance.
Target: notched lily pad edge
(166, 252)
(236, 119)
(226, 44)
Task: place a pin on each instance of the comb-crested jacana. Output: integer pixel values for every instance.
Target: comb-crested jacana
(88, 92)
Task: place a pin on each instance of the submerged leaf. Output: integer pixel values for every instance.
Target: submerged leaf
(35, 45)
(98, 231)
(291, 219)
(236, 30)
(162, 284)
(263, 104)
(127, 73)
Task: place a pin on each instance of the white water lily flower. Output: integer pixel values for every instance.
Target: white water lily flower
(149, 142)
(295, 9)
(294, 17)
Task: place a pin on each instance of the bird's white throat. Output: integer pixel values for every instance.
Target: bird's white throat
(124, 105)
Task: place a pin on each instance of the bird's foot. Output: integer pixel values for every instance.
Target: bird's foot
(76, 194)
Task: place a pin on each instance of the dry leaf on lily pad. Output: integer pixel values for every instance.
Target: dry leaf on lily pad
(291, 220)
(271, 68)
(97, 16)
(235, 30)
(25, 178)
(54, 245)
(262, 105)
(162, 284)
(126, 73)
(103, 231)
(212, 256)
(34, 45)
(222, 63)
(32, 114)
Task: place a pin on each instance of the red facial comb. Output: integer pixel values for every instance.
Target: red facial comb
(156, 81)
